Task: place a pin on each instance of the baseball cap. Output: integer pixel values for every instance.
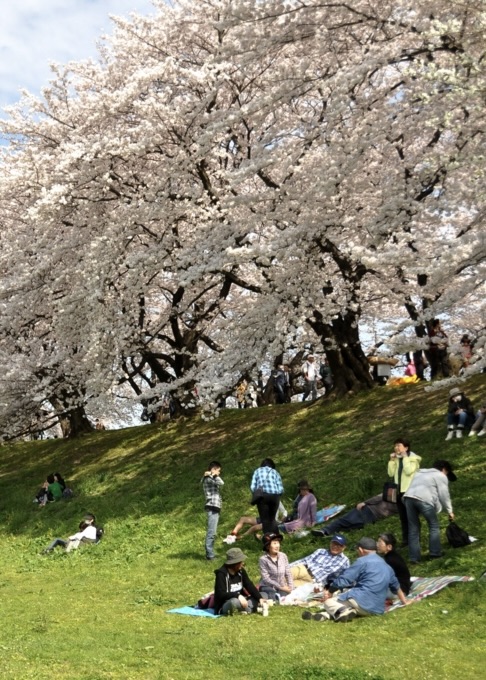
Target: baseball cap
(339, 538)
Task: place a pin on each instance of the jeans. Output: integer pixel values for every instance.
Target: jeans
(212, 527)
(354, 519)
(402, 512)
(310, 387)
(415, 508)
(461, 420)
(235, 605)
(55, 543)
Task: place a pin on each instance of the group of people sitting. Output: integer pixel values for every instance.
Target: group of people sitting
(345, 591)
(53, 489)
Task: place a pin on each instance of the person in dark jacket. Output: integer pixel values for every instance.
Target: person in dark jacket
(386, 547)
(460, 414)
(233, 589)
(366, 512)
(438, 351)
(279, 384)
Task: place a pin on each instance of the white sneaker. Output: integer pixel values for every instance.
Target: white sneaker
(472, 433)
(459, 434)
(482, 433)
(450, 435)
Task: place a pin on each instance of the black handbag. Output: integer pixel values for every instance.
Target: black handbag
(390, 492)
(256, 495)
(456, 536)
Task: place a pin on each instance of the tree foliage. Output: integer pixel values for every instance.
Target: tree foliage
(232, 179)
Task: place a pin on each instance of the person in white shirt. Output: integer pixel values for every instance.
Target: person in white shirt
(88, 533)
(309, 370)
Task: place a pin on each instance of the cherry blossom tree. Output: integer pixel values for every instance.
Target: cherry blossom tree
(229, 174)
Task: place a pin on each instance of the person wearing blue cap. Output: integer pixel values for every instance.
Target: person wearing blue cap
(322, 564)
(360, 590)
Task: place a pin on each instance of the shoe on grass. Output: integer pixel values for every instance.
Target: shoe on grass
(318, 532)
(307, 615)
(321, 616)
(344, 615)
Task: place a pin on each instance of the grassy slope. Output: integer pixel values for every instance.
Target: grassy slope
(100, 612)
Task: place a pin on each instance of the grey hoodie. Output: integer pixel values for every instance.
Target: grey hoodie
(431, 486)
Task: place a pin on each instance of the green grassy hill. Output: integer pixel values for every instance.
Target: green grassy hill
(100, 612)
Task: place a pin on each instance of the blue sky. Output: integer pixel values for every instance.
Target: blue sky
(34, 33)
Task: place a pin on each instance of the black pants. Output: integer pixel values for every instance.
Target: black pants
(267, 510)
(402, 513)
(354, 519)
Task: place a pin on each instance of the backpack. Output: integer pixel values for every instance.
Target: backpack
(456, 536)
(206, 602)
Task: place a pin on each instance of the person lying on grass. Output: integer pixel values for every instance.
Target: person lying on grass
(233, 589)
(88, 533)
(254, 524)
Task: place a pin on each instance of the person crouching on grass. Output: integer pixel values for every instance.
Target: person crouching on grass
(233, 589)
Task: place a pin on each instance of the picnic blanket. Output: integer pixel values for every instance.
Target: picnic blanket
(422, 587)
(328, 512)
(193, 611)
(304, 595)
(322, 515)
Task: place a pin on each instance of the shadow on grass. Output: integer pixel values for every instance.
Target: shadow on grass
(342, 447)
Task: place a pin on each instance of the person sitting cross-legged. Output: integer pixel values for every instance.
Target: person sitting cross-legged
(360, 590)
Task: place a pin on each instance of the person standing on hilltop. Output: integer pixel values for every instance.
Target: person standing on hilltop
(309, 370)
(438, 351)
(212, 484)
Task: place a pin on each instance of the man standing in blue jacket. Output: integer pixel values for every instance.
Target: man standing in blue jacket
(364, 587)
